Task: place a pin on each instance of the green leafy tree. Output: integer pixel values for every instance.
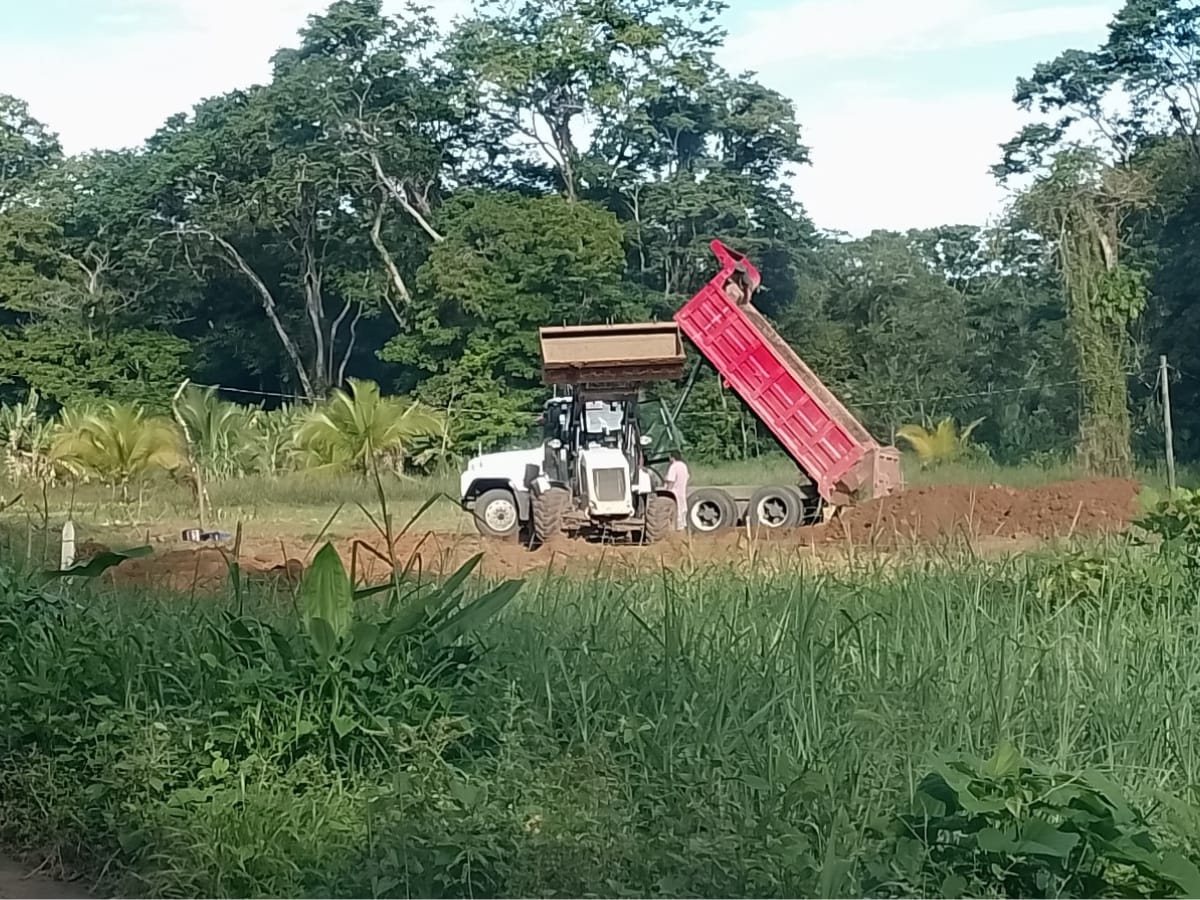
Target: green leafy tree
(543, 70)
(287, 189)
(69, 365)
(1135, 101)
(29, 233)
(509, 264)
(1080, 207)
(896, 332)
(1016, 344)
(1140, 84)
(28, 149)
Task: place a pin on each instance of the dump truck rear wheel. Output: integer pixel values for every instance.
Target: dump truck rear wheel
(548, 510)
(776, 506)
(661, 512)
(710, 510)
(496, 514)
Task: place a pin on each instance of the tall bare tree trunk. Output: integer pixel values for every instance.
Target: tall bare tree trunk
(235, 259)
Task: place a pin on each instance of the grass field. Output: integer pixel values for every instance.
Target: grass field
(667, 735)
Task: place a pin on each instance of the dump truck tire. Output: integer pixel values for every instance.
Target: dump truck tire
(661, 512)
(497, 515)
(775, 506)
(710, 510)
(548, 511)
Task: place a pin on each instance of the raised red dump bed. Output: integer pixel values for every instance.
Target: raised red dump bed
(820, 434)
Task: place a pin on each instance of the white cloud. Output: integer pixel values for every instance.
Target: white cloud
(115, 88)
(809, 31)
(881, 159)
(885, 157)
(887, 161)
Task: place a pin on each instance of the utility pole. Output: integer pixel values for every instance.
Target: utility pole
(1164, 379)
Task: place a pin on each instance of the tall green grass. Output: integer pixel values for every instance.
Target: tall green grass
(708, 735)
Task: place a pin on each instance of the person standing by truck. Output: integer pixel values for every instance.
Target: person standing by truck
(676, 482)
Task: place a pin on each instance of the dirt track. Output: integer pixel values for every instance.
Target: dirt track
(988, 518)
(16, 881)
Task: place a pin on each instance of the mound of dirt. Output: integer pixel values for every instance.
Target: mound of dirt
(986, 516)
(1066, 509)
(186, 569)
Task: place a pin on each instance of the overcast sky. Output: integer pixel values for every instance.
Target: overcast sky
(903, 102)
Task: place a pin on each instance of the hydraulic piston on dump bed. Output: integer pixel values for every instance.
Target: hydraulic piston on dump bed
(591, 469)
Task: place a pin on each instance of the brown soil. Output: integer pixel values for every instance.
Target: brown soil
(988, 518)
(1067, 509)
(16, 881)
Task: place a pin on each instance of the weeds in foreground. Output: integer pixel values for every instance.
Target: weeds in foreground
(710, 735)
(1008, 827)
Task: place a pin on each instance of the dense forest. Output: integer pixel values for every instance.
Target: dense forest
(408, 204)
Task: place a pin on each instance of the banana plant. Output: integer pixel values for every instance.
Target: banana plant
(25, 440)
(429, 616)
(420, 623)
(938, 445)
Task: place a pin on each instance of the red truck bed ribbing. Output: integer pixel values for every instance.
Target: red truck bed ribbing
(820, 434)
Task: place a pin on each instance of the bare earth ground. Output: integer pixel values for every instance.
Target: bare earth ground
(15, 882)
(988, 519)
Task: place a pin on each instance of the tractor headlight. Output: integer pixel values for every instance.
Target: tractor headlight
(554, 444)
(645, 440)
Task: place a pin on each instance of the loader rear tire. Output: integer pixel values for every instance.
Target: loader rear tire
(548, 510)
(661, 518)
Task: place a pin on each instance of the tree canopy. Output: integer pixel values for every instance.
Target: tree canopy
(407, 205)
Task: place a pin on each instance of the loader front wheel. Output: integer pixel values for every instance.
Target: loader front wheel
(548, 510)
(661, 518)
(496, 514)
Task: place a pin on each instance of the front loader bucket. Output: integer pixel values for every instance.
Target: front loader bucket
(612, 354)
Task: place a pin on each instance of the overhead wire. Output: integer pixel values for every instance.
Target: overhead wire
(866, 404)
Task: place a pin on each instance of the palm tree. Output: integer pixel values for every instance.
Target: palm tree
(359, 428)
(942, 444)
(275, 437)
(217, 431)
(119, 443)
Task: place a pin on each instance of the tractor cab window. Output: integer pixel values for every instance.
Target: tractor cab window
(603, 423)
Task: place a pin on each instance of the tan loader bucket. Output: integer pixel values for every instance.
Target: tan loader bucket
(599, 354)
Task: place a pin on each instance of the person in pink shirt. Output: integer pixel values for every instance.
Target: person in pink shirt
(676, 482)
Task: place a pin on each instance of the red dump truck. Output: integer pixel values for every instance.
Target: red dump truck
(591, 469)
(841, 461)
